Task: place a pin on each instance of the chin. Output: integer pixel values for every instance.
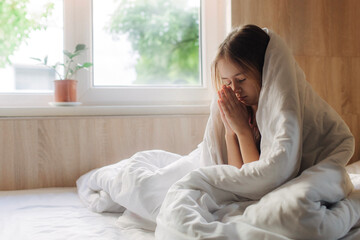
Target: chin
(243, 102)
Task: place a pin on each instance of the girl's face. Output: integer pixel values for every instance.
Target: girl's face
(246, 86)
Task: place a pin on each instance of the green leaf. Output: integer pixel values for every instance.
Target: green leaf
(74, 55)
(84, 65)
(80, 47)
(67, 53)
(70, 66)
(56, 65)
(36, 59)
(87, 65)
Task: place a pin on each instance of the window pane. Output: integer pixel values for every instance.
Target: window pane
(29, 29)
(153, 42)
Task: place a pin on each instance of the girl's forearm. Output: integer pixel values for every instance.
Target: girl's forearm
(233, 150)
(249, 151)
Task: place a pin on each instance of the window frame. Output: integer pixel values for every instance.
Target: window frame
(215, 24)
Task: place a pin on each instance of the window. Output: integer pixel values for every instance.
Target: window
(29, 29)
(146, 43)
(84, 19)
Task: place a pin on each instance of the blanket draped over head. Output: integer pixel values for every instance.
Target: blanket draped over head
(297, 189)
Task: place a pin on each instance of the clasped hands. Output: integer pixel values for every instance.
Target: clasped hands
(234, 114)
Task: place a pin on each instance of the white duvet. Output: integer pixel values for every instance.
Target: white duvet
(298, 189)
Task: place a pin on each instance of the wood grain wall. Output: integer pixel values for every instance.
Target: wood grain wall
(54, 152)
(324, 36)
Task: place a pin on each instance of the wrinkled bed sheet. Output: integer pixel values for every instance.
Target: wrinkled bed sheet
(58, 214)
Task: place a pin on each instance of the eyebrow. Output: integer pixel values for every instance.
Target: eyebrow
(237, 74)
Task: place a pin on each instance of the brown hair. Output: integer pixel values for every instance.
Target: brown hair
(244, 46)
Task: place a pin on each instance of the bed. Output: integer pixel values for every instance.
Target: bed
(58, 213)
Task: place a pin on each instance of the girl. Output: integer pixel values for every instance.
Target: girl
(237, 73)
(300, 172)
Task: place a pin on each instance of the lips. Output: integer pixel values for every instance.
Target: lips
(242, 99)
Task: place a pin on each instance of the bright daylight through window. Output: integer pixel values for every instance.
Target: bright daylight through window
(29, 29)
(144, 52)
(146, 43)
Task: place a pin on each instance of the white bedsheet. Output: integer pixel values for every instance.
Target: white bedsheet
(57, 213)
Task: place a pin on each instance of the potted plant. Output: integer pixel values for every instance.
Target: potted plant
(65, 88)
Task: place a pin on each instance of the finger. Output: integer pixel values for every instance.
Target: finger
(223, 118)
(229, 107)
(237, 104)
(225, 107)
(229, 93)
(220, 108)
(234, 108)
(232, 96)
(222, 115)
(223, 96)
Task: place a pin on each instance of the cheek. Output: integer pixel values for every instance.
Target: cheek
(256, 88)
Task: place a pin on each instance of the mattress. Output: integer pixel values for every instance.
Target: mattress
(57, 213)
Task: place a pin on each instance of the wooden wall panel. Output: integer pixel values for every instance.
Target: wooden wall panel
(54, 152)
(12, 149)
(324, 36)
(7, 142)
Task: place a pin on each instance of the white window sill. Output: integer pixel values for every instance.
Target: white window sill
(45, 111)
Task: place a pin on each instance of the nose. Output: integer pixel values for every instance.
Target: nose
(236, 87)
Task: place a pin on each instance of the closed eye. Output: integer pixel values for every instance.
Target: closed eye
(226, 82)
(240, 79)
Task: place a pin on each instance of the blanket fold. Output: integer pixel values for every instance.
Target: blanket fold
(298, 187)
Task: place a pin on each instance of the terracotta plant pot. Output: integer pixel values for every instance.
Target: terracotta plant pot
(65, 90)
